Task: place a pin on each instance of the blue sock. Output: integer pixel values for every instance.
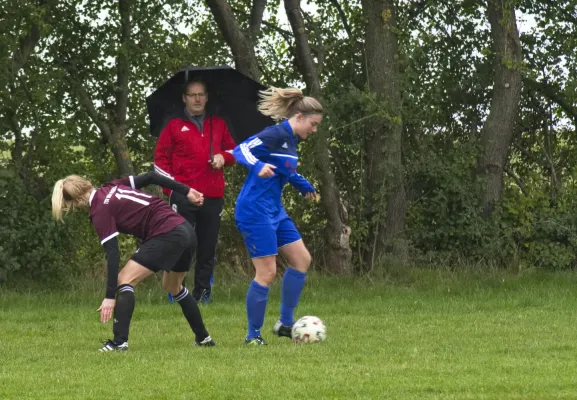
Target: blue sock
(256, 299)
(293, 282)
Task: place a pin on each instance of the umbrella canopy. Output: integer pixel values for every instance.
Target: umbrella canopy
(231, 96)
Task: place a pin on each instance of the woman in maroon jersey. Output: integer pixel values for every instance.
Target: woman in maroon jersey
(168, 244)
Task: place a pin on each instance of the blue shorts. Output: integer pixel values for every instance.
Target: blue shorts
(265, 240)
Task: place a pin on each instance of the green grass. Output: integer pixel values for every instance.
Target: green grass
(413, 335)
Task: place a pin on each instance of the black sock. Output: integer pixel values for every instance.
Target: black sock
(123, 313)
(191, 313)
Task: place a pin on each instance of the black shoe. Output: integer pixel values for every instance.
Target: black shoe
(282, 330)
(110, 345)
(257, 341)
(206, 342)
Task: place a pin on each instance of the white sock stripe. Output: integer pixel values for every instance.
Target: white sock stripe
(126, 289)
(182, 295)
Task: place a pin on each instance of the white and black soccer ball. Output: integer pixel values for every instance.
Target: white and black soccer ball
(309, 329)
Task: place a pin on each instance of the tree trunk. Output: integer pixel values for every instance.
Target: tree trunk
(385, 182)
(337, 234)
(241, 44)
(497, 133)
(117, 139)
(114, 126)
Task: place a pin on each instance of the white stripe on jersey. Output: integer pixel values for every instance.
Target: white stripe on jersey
(136, 193)
(91, 197)
(106, 239)
(253, 143)
(247, 154)
(162, 172)
(284, 155)
(135, 199)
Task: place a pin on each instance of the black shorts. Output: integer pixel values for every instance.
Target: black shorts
(170, 251)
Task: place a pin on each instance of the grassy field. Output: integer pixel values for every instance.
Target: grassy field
(415, 335)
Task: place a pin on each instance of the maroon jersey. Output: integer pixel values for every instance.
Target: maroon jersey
(117, 207)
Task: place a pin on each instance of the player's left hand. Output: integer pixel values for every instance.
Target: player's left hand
(217, 161)
(195, 197)
(311, 196)
(106, 310)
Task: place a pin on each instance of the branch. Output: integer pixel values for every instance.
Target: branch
(25, 47)
(416, 9)
(256, 14)
(554, 94)
(283, 32)
(319, 48)
(517, 180)
(241, 46)
(343, 17)
(123, 63)
(85, 100)
(309, 69)
(27, 43)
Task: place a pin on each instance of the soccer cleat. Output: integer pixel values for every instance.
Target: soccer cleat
(206, 342)
(110, 345)
(282, 330)
(204, 297)
(257, 341)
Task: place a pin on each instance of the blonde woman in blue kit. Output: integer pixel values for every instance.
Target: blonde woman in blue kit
(271, 158)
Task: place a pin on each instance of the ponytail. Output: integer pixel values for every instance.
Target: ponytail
(284, 103)
(69, 193)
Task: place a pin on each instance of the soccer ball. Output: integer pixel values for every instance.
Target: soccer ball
(309, 329)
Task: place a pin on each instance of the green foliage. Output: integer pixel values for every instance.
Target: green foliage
(34, 246)
(446, 65)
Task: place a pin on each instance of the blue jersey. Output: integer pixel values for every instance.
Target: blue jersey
(259, 201)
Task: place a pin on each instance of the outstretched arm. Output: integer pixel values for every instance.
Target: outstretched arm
(154, 178)
(113, 261)
(301, 184)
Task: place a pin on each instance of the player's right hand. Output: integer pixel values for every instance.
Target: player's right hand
(266, 171)
(195, 197)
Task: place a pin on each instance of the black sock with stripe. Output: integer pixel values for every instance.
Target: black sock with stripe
(123, 313)
(191, 313)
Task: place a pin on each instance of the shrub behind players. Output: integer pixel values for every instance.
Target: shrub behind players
(271, 158)
(168, 242)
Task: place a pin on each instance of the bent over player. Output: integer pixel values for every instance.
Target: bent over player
(119, 207)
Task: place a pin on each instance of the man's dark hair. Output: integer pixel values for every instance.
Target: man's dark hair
(193, 81)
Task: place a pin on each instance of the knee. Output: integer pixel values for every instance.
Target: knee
(266, 275)
(307, 260)
(171, 287)
(304, 262)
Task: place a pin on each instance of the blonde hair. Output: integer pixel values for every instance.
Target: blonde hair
(69, 193)
(284, 103)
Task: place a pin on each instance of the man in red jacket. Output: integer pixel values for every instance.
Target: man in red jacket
(193, 151)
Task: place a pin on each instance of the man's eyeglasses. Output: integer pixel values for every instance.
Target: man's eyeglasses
(201, 95)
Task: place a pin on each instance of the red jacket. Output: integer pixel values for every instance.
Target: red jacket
(183, 153)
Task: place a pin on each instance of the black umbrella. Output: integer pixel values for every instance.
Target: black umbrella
(231, 96)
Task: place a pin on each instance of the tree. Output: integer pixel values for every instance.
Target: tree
(498, 130)
(337, 233)
(80, 45)
(385, 178)
(241, 43)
